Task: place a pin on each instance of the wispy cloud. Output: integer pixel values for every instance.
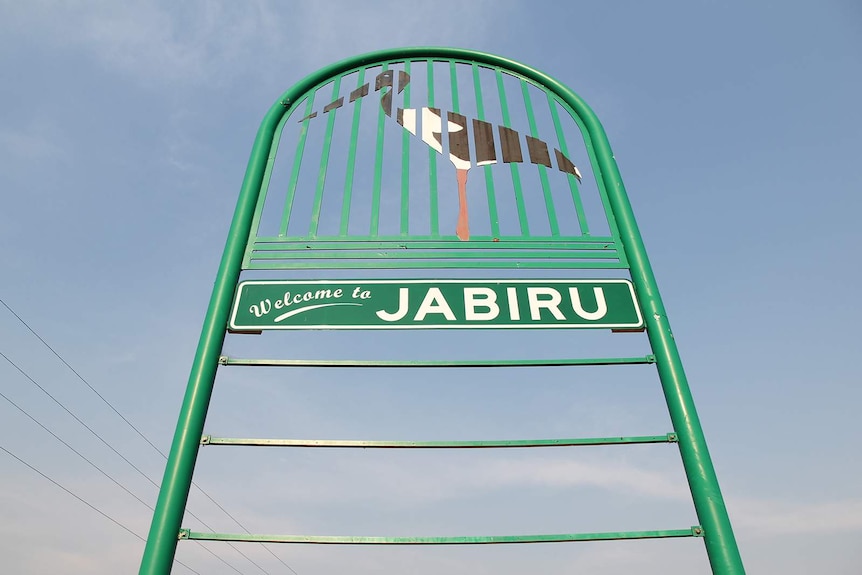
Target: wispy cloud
(346, 28)
(421, 485)
(210, 43)
(153, 42)
(566, 473)
(448, 481)
(766, 518)
(37, 141)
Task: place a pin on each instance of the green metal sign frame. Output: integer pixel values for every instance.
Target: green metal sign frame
(247, 249)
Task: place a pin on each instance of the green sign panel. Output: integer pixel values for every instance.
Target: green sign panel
(435, 304)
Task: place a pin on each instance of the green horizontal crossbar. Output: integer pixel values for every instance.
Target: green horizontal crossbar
(266, 246)
(260, 263)
(436, 255)
(499, 242)
(468, 540)
(433, 363)
(499, 443)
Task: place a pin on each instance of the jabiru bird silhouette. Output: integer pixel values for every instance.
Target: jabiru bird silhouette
(459, 140)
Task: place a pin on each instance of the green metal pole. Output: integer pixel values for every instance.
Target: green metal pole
(709, 504)
(165, 527)
(167, 517)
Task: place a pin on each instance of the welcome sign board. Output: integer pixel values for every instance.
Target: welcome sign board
(435, 304)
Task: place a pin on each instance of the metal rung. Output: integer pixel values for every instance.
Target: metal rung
(432, 256)
(259, 263)
(428, 242)
(401, 254)
(695, 531)
(504, 443)
(491, 246)
(224, 360)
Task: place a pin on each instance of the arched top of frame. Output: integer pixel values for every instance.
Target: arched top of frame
(431, 158)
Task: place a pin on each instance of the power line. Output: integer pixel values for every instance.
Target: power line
(217, 557)
(100, 470)
(88, 504)
(76, 418)
(235, 520)
(81, 499)
(80, 377)
(234, 547)
(75, 451)
(106, 474)
(211, 552)
(120, 485)
(138, 431)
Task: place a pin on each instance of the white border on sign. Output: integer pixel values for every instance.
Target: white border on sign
(232, 325)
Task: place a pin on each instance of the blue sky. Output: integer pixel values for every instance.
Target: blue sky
(124, 134)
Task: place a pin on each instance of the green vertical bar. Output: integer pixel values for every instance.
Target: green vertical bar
(297, 163)
(162, 539)
(453, 84)
(378, 168)
(516, 176)
(708, 502)
(573, 182)
(351, 159)
(543, 171)
(261, 201)
(432, 161)
(489, 173)
(600, 180)
(405, 165)
(324, 163)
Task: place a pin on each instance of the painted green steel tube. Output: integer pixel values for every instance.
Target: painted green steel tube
(469, 444)
(493, 218)
(434, 209)
(462, 540)
(353, 364)
(351, 159)
(330, 263)
(162, 539)
(709, 504)
(720, 542)
(405, 164)
(513, 166)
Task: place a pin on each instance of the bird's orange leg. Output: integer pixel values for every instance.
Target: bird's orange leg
(462, 230)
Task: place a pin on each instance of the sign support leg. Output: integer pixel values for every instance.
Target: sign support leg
(173, 495)
(709, 504)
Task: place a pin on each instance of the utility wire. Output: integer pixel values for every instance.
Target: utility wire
(88, 504)
(81, 499)
(79, 376)
(75, 451)
(100, 470)
(117, 483)
(235, 520)
(76, 418)
(231, 545)
(138, 431)
(211, 552)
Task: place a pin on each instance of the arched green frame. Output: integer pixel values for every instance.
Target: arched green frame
(715, 527)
